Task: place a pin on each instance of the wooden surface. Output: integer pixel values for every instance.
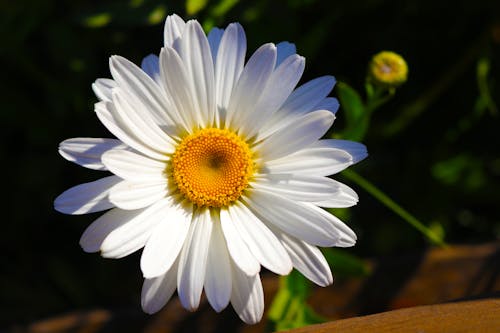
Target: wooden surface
(481, 316)
(408, 280)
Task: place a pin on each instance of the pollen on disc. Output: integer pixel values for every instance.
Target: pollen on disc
(212, 167)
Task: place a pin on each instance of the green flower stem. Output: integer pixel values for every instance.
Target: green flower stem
(379, 100)
(376, 96)
(389, 203)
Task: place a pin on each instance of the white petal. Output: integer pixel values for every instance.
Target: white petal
(135, 231)
(174, 25)
(279, 86)
(134, 195)
(310, 94)
(229, 65)
(214, 37)
(197, 57)
(285, 49)
(102, 89)
(218, 275)
(330, 103)
(345, 237)
(157, 291)
(108, 116)
(308, 260)
(86, 198)
(260, 240)
(357, 150)
(283, 81)
(178, 88)
(247, 296)
(237, 248)
(301, 101)
(316, 159)
(249, 87)
(134, 167)
(135, 82)
(299, 134)
(193, 260)
(298, 187)
(295, 218)
(97, 231)
(137, 120)
(345, 197)
(166, 241)
(87, 152)
(150, 64)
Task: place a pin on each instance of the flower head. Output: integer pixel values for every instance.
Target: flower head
(218, 168)
(388, 69)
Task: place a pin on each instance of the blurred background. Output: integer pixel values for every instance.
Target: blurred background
(434, 147)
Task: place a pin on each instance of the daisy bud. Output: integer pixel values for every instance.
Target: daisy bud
(388, 69)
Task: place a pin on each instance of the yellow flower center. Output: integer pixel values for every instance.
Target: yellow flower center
(212, 167)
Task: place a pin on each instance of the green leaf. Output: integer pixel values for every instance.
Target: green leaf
(346, 264)
(356, 115)
(351, 102)
(299, 315)
(342, 213)
(298, 285)
(289, 308)
(194, 6)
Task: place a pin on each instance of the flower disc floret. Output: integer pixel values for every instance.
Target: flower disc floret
(212, 167)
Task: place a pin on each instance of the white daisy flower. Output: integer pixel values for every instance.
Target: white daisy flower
(218, 168)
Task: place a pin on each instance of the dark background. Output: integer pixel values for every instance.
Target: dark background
(434, 148)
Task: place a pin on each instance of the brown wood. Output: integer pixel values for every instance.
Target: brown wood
(471, 316)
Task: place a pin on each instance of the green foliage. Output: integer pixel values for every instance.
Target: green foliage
(289, 308)
(355, 112)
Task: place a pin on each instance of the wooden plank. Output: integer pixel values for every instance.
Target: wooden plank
(470, 316)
